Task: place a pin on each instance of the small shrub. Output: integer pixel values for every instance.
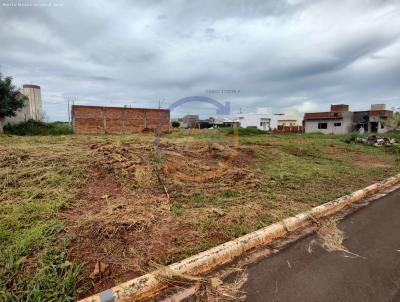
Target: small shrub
(351, 138)
(175, 124)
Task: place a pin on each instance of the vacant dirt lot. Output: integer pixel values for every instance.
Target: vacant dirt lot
(71, 205)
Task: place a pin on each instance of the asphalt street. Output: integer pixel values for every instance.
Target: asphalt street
(306, 272)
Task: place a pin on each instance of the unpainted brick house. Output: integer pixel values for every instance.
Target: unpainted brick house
(118, 120)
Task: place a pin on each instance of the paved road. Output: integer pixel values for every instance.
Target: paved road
(295, 275)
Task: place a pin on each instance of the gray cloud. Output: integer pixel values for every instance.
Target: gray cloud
(304, 54)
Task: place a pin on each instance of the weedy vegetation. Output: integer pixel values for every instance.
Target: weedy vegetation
(69, 202)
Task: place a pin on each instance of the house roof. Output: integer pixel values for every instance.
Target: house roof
(30, 86)
(323, 115)
(220, 120)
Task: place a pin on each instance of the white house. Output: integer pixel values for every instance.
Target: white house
(263, 119)
(290, 118)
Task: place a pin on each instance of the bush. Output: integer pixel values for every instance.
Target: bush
(32, 127)
(351, 138)
(175, 124)
(244, 131)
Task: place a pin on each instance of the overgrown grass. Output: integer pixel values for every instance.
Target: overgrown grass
(37, 179)
(320, 168)
(32, 127)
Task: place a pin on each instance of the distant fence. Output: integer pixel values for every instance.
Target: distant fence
(117, 120)
(289, 129)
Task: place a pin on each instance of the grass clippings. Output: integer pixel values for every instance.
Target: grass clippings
(331, 237)
(207, 288)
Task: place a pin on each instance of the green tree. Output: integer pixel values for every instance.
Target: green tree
(10, 99)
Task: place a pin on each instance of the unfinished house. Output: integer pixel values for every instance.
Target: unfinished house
(337, 121)
(118, 120)
(376, 120)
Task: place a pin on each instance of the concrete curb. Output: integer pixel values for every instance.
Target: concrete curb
(148, 285)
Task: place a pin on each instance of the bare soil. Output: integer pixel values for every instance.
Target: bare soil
(360, 159)
(368, 161)
(122, 216)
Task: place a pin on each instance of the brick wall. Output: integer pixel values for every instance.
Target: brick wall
(117, 120)
(339, 108)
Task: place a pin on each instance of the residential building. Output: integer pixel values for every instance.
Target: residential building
(377, 120)
(290, 118)
(263, 119)
(223, 122)
(339, 120)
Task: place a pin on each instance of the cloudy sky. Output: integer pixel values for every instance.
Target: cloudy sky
(304, 54)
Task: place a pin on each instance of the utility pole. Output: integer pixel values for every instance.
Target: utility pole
(69, 113)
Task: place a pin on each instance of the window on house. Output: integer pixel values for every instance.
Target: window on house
(322, 125)
(337, 124)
